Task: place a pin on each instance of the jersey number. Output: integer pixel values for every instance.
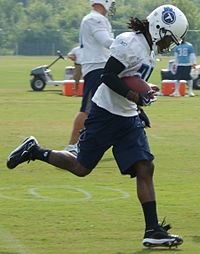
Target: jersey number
(183, 52)
(145, 71)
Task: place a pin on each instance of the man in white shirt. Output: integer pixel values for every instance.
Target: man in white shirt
(113, 120)
(76, 56)
(95, 39)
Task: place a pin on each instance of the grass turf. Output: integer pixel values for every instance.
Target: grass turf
(45, 210)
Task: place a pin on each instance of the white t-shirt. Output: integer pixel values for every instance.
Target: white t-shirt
(133, 51)
(95, 39)
(77, 51)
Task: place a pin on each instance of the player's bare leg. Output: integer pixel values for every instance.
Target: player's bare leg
(30, 150)
(67, 161)
(76, 85)
(77, 126)
(145, 187)
(156, 234)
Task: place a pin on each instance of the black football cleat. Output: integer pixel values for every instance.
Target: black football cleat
(22, 153)
(159, 237)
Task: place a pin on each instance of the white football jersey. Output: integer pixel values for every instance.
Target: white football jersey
(133, 51)
(95, 39)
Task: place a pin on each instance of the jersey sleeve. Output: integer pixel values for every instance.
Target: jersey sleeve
(193, 58)
(97, 24)
(101, 31)
(104, 38)
(123, 51)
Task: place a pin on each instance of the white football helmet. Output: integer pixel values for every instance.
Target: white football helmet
(167, 20)
(109, 5)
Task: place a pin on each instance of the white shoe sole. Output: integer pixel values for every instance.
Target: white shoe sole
(148, 242)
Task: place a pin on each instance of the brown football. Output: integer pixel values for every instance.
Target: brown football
(136, 84)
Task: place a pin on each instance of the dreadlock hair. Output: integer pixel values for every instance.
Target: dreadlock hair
(141, 26)
(138, 25)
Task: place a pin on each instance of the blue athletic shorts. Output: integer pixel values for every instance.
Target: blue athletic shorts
(183, 72)
(125, 135)
(91, 82)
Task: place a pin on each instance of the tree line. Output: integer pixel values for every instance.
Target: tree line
(35, 27)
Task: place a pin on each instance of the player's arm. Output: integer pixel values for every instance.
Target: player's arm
(110, 77)
(103, 37)
(193, 59)
(71, 56)
(100, 31)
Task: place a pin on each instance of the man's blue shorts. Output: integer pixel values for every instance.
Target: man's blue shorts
(183, 72)
(125, 135)
(92, 80)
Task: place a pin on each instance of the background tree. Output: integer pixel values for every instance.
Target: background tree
(35, 27)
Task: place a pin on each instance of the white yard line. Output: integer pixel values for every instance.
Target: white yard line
(36, 194)
(13, 242)
(122, 194)
(34, 191)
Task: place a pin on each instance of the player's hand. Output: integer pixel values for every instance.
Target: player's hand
(154, 87)
(146, 99)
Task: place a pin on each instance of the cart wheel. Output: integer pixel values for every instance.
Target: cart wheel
(196, 83)
(37, 84)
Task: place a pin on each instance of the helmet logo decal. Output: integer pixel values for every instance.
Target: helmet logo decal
(168, 16)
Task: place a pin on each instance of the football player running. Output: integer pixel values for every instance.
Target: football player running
(113, 120)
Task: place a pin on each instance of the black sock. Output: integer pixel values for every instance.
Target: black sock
(40, 154)
(150, 214)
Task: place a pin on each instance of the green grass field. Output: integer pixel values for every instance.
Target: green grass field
(49, 211)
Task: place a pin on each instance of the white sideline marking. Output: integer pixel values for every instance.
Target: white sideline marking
(11, 197)
(124, 194)
(13, 242)
(34, 191)
(156, 136)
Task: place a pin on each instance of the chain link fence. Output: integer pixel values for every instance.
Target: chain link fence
(40, 47)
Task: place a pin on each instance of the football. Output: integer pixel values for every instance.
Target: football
(136, 84)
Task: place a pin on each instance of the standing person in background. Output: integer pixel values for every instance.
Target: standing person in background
(185, 60)
(76, 56)
(95, 39)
